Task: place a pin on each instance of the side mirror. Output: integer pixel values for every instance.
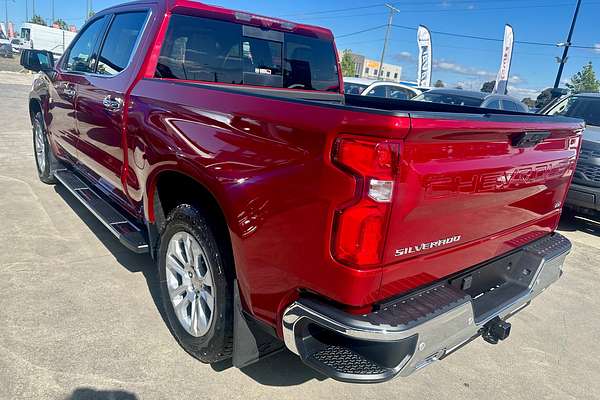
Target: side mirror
(37, 60)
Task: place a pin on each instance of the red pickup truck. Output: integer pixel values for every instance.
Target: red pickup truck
(369, 236)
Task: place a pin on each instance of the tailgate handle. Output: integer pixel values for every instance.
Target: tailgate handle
(529, 139)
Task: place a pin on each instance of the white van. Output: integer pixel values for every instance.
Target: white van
(39, 37)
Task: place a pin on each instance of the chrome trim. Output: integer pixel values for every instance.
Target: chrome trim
(437, 337)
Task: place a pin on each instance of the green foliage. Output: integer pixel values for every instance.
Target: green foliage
(62, 24)
(584, 81)
(348, 65)
(36, 19)
(544, 98)
(488, 87)
(439, 84)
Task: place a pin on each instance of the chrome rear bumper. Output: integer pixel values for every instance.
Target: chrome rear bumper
(409, 333)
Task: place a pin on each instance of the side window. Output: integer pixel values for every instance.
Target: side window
(378, 91)
(122, 37)
(510, 106)
(80, 57)
(399, 93)
(495, 104)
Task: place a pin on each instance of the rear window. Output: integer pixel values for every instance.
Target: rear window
(202, 49)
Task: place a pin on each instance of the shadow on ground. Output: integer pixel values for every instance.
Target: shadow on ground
(281, 369)
(92, 394)
(572, 222)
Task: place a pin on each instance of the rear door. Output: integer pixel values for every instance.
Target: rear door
(101, 101)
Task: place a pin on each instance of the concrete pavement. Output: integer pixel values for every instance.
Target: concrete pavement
(79, 316)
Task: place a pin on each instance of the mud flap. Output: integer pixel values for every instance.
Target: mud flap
(251, 342)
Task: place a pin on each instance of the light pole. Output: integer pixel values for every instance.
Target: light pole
(387, 36)
(562, 61)
(52, 22)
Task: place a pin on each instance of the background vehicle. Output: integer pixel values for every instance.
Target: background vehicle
(371, 236)
(584, 194)
(385, 89)
(5, 46)
(39, 37)
(472, 99)
(16, 45)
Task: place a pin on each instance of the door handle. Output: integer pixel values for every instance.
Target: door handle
(112, 103)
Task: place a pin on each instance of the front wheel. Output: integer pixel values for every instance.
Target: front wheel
(195, 289)
(44, 158)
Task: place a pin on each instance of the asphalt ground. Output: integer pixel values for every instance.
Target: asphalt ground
(79, 314)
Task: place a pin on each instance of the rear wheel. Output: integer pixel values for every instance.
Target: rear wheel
(195, 288)
(44, 158)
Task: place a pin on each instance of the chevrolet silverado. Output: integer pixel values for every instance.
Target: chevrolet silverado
(369, 236)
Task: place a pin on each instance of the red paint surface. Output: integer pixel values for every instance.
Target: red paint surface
(268, 163)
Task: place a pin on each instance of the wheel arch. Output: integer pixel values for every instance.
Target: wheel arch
(164, 194)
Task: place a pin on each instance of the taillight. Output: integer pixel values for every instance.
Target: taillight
(360, 228)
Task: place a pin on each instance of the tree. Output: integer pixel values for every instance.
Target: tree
(488, 87)
(529, 102)
(62, 24)
(584, 81)
(36, 19)
(544, 98)
(439, 84)
(348, 65)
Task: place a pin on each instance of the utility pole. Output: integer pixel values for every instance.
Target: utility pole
(33, 9)
(562, 61)
(387, 36)
(6, 15)
(26, 10)
(52, 22)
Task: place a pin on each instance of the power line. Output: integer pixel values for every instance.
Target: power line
(404, 3)
(430, 11)
(359, 32)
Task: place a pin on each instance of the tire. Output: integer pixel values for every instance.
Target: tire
(188, 286)
(44, 157)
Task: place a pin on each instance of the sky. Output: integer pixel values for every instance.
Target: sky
(457, 61)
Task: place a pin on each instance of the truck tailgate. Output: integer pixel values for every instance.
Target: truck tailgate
(472, 187)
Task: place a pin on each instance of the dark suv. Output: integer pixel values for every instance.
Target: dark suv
(584, 195)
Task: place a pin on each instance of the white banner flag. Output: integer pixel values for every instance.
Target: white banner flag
(425, 57)
(501, 86)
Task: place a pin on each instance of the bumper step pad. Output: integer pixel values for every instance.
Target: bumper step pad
(408, 333)
(128, 233)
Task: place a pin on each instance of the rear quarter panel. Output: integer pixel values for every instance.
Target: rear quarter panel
(267, 162)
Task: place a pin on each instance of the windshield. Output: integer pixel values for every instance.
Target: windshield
(586, 108)
(446, 98)
(354, 88)
(209, 50)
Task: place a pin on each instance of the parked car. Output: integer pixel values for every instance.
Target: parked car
(6, 50)
(386, 89)
(16, 45)
(472, 99)
(584, 195)
(370, 236)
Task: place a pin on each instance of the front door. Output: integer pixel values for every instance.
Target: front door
(70, 75)
(100, 106)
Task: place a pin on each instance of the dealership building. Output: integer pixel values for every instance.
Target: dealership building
(367, 68)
